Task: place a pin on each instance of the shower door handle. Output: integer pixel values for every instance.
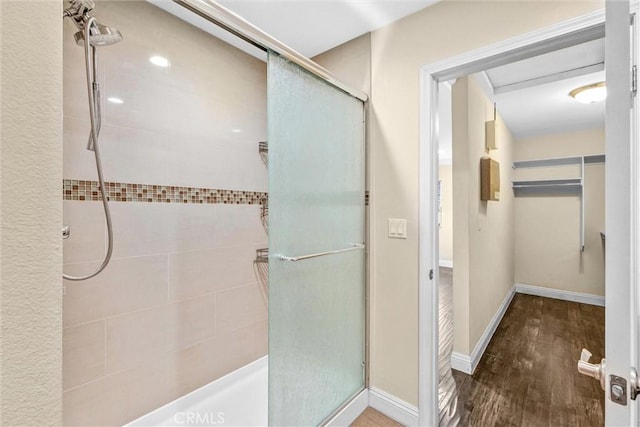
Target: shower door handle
(353, 247)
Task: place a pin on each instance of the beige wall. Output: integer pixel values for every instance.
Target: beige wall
(547, 228)
(31, 212)
(398, 51)
(446, 217)
(179, 305)
(483, 231)
(350, 62)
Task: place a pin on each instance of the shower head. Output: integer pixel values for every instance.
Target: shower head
(80, 13)
(101, 35)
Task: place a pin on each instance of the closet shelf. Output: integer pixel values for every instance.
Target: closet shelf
(547, 186)
(557, 186)
(559, 161)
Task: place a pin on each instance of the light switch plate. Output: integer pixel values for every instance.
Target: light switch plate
(397, 228)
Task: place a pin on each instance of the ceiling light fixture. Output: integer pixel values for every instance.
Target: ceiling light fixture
(589, 94)
(160, 61)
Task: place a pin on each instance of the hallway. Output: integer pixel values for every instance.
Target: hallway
(528, 377)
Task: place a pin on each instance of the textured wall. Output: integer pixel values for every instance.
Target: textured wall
(399, 50)
(547, 232)
(31, 213)
(180, 303)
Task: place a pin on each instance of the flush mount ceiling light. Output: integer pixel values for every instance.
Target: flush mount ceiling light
(589, 94)
(160, 61)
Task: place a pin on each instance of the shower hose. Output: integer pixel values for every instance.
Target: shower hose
(95, 116)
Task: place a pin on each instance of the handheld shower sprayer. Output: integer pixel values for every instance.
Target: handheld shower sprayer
(79, 12)
(90, 36)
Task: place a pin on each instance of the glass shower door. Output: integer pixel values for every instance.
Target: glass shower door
(316, 235)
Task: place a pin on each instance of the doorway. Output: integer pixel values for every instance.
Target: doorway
(584, 30)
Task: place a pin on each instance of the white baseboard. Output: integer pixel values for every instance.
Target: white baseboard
(560, 294)
(394, 408)
(468, 364)
(349, 413)
(461, 362)
(446, 263)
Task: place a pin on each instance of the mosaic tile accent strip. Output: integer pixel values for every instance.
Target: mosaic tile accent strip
(124, 192)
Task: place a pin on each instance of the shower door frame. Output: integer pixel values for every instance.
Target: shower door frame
(241, 28)
(563, 34)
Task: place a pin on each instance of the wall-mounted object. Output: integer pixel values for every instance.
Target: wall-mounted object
(264, 214)
(263, 150)
(261, 270)
(397, 228)
(551, 187)
(489, 180)
(490, 132)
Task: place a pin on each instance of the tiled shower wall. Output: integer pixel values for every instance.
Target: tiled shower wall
(179, 305)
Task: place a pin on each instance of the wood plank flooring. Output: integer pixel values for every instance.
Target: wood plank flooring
(372, 418)
(528, 376)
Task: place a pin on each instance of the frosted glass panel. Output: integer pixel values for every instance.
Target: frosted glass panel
(316, 204)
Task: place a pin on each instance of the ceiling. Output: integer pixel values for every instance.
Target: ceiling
(315, 26)
(532, 95)
(308, 26)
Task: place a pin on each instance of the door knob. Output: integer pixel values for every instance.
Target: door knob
(595, 370)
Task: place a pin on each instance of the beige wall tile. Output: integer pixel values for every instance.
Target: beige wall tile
(83, 354)
(139, 229)
(79, 163)
(133, 155)
(238, 308)
(193, 227)
(191, 321)
(136, 338)
(152, 334)
(201, 272)
(117, 399)
(261, 339)
(238, 350)
(191, 368)
(126, 285)
(208, 360)
(240, 225)
(88, 232)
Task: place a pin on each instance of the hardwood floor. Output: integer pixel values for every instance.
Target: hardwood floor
(528, 376)
(372, 418)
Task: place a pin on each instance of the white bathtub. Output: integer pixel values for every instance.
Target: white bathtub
(237, 399)
(240, 398)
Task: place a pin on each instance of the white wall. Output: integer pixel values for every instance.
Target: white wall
(547, 232)
(398, 51)
(31, 213)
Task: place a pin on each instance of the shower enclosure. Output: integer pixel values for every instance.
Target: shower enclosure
(180, 312)
(316, 265)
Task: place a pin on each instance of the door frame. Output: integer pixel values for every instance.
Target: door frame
(563, 34)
